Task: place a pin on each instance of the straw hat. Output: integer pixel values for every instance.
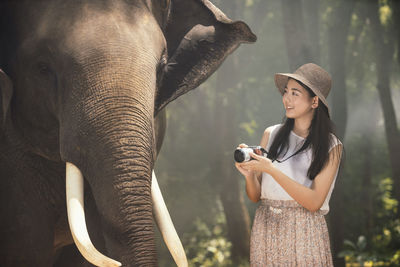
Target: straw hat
(311, 75)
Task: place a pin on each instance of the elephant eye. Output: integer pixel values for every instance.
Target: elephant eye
(45, 73)
(43, 68)
(161, 68)
(162, 63)
(164, 59)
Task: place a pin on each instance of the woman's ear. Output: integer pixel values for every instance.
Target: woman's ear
(199, 37)
(6, 92)
(315, 102)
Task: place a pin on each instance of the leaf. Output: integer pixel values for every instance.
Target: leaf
(345, 253)
(362, 242)
(349, 244)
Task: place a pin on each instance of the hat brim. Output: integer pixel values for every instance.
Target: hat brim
(281, 80)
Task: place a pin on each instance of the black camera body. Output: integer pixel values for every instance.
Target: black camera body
(243, 154)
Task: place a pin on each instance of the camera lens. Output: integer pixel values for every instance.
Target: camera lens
(239, 155)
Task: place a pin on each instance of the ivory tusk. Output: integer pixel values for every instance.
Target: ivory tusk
(76, 219)
(166, 226)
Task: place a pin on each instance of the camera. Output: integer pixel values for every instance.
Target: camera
(243, 154)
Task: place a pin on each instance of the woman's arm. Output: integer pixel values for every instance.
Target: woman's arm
(310, 198)
(253, 178)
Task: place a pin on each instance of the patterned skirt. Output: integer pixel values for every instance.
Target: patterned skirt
(286, 234)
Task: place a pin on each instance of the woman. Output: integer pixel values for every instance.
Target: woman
(295, 181)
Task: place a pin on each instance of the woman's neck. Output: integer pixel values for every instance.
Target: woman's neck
(301, 127)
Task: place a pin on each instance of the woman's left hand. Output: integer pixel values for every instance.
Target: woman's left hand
(258, 163)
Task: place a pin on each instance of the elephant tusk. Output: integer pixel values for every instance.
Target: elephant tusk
(166, 226)
(76, 219)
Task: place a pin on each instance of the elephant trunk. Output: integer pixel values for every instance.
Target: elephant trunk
(107, 132)
(116, 158)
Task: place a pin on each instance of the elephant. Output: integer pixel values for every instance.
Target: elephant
(83, 86)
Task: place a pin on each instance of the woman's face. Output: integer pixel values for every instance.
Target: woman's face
(297, 101)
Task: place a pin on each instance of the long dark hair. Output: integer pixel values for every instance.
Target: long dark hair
(319, 139)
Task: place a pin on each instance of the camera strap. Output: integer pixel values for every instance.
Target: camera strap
(303, 147)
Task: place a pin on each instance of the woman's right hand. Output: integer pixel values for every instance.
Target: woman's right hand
(244, 172)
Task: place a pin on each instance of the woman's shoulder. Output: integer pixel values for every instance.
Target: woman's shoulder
(334, 141)
(272, 128)
(269, 133)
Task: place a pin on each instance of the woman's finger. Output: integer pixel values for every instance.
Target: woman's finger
(239, 167)
(258, 151)
(254, 156)
(248, 166)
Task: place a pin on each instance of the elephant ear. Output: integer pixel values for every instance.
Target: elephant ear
(6, 90)
(199, 37)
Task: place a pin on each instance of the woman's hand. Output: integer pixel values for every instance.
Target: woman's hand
(259, 163)
(244, 171)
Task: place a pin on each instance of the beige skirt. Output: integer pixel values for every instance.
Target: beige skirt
(286, 234)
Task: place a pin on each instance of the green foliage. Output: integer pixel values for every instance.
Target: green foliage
(355, 252)
(207, 245)
(385, 12)
(249, 3)
(389, 203)
(249, 127)
(385, 242)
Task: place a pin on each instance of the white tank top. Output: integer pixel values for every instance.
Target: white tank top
(295, 167)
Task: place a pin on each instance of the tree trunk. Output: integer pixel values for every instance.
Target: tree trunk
(230, 191)
(396, 16)
(384, 47)
(298, 48)
(311, 12)
(337, 39)
(366, 198)
(259, 12)
(338, 31)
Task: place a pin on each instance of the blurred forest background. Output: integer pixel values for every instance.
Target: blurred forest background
(358, 42)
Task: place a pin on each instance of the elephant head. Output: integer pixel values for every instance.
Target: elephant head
(82, 83)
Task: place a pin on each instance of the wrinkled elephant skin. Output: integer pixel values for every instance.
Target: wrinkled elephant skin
(85, 82)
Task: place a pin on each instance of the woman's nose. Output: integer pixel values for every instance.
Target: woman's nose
(286, 97)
